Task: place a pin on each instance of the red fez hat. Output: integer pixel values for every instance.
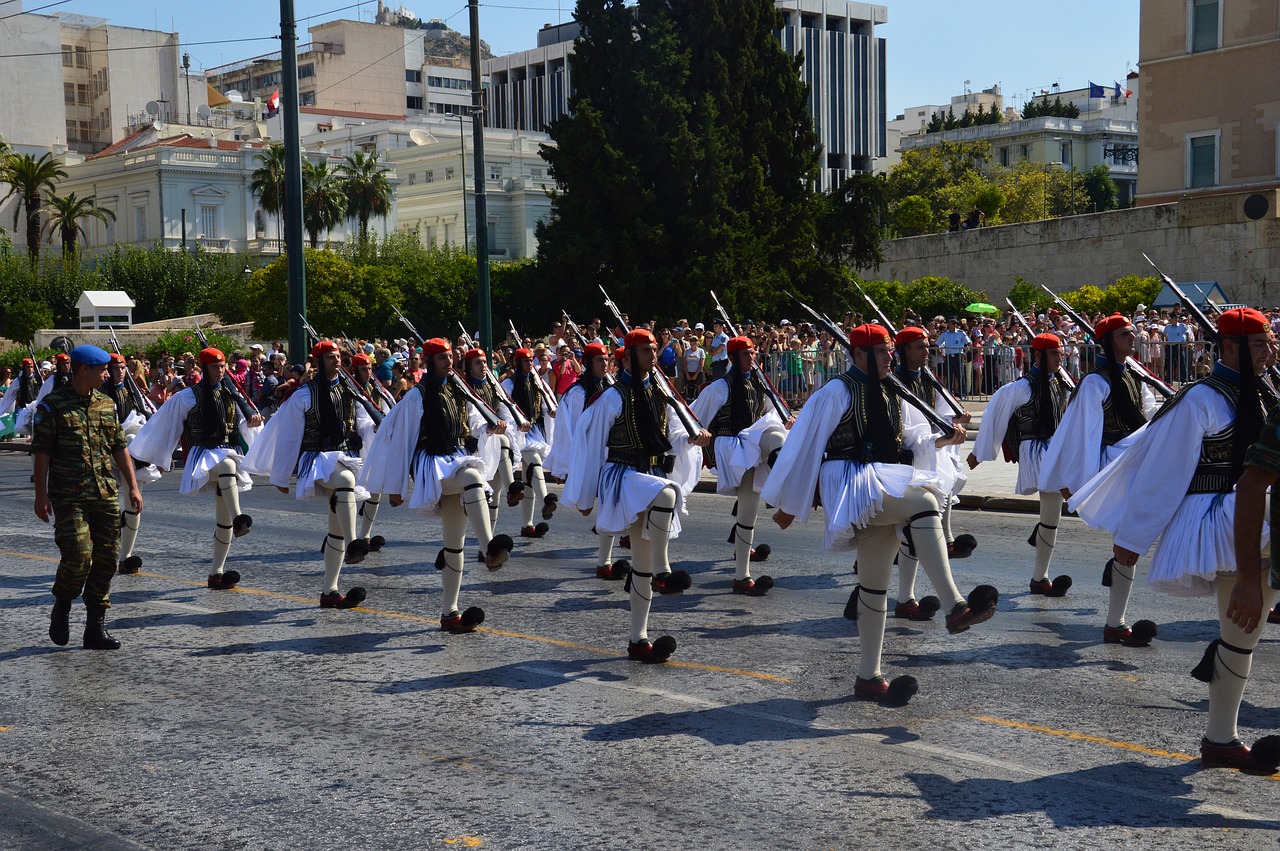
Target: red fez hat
(212, 355)
(595, 350)
(740, 344)
(1044, 342)
(1242, 321)
(360, 360)
(1114, 322)
(638, 337)
(322, 347)
(28, 362)
(868, 335)
(619, 353)
(909, 335)
(116, 357)
(435, 346)
(522, 352)
(472, 354)
(63, 356)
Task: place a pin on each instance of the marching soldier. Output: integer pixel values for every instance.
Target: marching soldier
(1021, 419)
(526, 391)
(747, 434)
(497, 450)
(636, 460)
(318, 434)
(22, 391)
(1108, 407)
(207, 418)
(75, 433)
(362, 372)
(60, 377)
(131, 420)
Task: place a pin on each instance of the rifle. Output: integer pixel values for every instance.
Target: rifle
(247, 409)
(516, 414)
(382, 391)
(1022, 320)
(362, 397)
(1207, 327)
(929, 375)
(1139, 371)
(542, 384)
(772, 392)
(687, 418)
(489, 414)
(895, 384)
(141, 401)
(582, 341)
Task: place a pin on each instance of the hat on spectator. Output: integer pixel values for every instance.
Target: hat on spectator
(62, 356)
(360, 360)
(368, 348)
(1242, 321)
(699, 327)
(868, 335)
(435, 346)
(1112, 323)
(785, 322)
(44, 364)
(740, 344)
(909, 335)
(257, 346)
(91, 355)
(639, 337)
(321, 348)
(595, 350)
(522, 352)
(472, 354)
(212, 355)
(117, 358)
(1044, 342)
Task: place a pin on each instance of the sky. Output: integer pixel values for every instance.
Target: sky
(933, 46)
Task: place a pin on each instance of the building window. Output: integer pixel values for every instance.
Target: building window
(209, 222)
(1204, 29)
(410, 179)
(1004, 157)
(495, 172)
(140, 223)
(1024, 152)
(429, 177)
(1202, 161)
(412, 76)
(306, 99)
(82, 94)
(67, 60)
(73, 132)
(412, 102)
(535, 173)
(82, 57)
(1064, 154)
(448, 173)
(305, 71)
(68, 93)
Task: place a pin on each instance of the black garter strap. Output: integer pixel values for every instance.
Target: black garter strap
(673, 511)
(906, 530)
(220, 526)
(633, 572)
(451, 550)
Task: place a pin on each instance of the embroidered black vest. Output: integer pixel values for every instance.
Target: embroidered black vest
(453, 406)
(1114, 429)
(485, 389)
(194, 429)
(853, 438)
(722, 424)
(918, 384)
(122, 398)
(1026, 423)
(60, 379)
(319, 436)
(28, 390)
(526, 392)
(1214, 471)
(625, 446)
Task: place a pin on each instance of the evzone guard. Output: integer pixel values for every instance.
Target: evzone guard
(318, 434)
(1020, 420)
(23, 389)
(530, 395)
(848, 445)
(638, 462)
(1196, 446)
(362, 372)
(421, 453)
(747, 434)
(60, 377)
(912, 348)
(214, 422)
(132, 417)
(567, 437)
(497, 450)
(1109, 405)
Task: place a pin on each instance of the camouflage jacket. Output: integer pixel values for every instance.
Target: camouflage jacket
(79, 434)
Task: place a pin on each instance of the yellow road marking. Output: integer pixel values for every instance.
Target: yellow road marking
(541, 639)
(465, 841)
(5, 729)
(1097, 740)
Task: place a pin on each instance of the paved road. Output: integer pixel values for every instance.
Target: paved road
(252, 719)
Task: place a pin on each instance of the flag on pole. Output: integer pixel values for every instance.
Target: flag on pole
(1096, 91)
(273, 104)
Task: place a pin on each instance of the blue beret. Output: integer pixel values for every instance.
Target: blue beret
(91, 355)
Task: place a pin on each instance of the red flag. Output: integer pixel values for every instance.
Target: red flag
(273, 104)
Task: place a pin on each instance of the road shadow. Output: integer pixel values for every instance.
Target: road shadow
(312, 645)
(517, 676)
(1058, 796)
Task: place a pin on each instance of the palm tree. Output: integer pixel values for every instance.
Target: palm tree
(28, 178)
(267, 182)
(324, 204)
(65, 215)
(367, 188)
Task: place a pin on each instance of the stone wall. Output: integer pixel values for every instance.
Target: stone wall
(1204, 239)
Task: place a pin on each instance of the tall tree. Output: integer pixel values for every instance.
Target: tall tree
(65, 214)
(688, 161)
(368, 190)
(267, 182)
(30, 179)
(324, 203)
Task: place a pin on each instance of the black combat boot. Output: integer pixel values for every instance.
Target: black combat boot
(96, 636)
(59, 628)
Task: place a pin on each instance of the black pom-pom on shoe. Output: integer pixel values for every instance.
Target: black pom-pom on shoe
(761, 553)
(242, 525)
(1143, 632)
(901, 690)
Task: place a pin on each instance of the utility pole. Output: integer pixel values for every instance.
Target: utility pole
(484, 302)
(186, 72)
(296, 264)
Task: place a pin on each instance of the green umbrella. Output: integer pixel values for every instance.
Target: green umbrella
(982, 307)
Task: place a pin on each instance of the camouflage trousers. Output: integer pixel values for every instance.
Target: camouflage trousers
(87, 532)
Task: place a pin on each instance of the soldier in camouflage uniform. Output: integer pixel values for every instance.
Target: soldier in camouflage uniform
(75, 433)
